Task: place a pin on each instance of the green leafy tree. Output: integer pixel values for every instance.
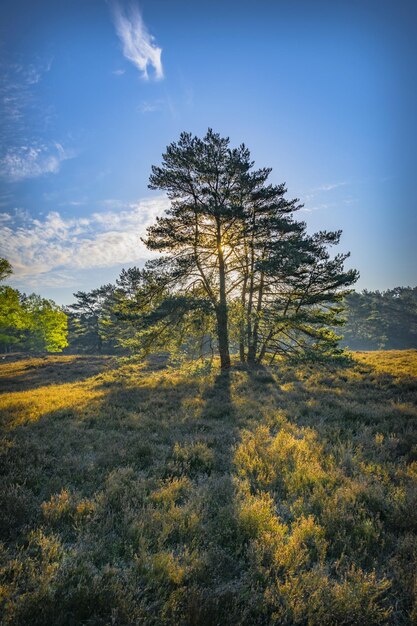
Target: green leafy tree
(29, 322)
(148, 318)
(205, 181)
(134, 297)
(14, 319)
(47, 324)
(5, 269)
(365, 327)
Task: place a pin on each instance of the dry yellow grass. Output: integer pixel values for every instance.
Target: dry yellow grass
(282, 496)
(398, 363)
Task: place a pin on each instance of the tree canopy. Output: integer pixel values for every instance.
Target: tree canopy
(377, 320)
(234, 257)
(29, 322)
(90, 319)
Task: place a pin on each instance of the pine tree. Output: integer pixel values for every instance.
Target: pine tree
(205, 180)
(89, 320)
(230, 245)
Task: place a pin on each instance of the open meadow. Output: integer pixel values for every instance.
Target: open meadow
(135, 495)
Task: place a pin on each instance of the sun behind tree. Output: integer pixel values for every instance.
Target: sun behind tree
(233, 253)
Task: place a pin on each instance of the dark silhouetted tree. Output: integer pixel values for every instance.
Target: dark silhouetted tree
(377, 320)
(90, 320)
(232, 250)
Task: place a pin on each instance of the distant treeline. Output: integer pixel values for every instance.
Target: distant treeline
(103, 321)
(378, 320)
(375, 320)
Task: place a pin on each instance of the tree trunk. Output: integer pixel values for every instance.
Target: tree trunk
(242, 354)
(251, 287)
(251, 354)
(264, 347)
(253, 347)
(221, 311)
(223, 337)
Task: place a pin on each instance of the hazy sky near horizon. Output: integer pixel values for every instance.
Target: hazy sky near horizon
(92, 92)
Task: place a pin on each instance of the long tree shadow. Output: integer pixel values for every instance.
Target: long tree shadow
(32, 373)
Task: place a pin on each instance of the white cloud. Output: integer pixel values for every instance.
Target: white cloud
(16, 88)
(150, 106)
(138, 45)
(24, 117)
(19, 98)
(50, 279)
(33, 161)
(45, 251)
(34, 73)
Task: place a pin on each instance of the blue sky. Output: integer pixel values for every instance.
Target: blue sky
(325, 93)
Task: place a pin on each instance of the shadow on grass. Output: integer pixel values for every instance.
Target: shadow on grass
(40, 372)
(350, 402)
(156, 457)
(76, 448)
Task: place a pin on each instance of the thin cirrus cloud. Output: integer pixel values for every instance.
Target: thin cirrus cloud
(312, 193)
(151, 106)
(17, 91)
(331, 186)
(138, 44)
(42, 250)
(317, 192)
(32, 161)
(23, 151)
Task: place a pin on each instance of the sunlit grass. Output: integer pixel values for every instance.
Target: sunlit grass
(30, 406)
(396, 362)
(184, 496)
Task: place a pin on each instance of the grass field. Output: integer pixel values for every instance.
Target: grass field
(189, 497)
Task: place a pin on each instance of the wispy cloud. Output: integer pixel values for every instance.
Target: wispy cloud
(312, 193)
(24, 118)
(330, 186)
(33, 161)
(151, 106)
(5, 217)
(41, 250)
(138, 44)
(312, 198)
(317, 207)
(18, 81)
